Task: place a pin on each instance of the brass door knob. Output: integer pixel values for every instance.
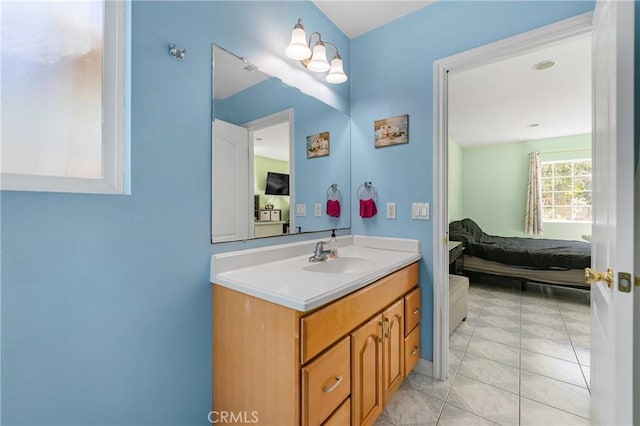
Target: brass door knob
(592, 276)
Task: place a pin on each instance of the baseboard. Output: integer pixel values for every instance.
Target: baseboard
(424, 366)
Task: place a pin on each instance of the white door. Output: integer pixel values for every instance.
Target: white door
(613, 177)
(230, 182)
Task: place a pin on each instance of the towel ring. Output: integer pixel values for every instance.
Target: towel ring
(364, 189)
(334, 191)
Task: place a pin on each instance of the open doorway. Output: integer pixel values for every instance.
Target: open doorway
(572, 30)
(270, 168)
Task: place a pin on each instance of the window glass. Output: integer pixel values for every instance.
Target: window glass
(52, 55)
(566, 191)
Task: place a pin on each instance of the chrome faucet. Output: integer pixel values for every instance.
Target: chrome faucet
(320, 254)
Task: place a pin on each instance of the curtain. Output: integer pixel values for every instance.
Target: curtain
(533, 212)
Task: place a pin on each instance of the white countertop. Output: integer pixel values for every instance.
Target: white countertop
(276, 273)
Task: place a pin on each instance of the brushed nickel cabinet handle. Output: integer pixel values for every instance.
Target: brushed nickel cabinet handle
(414, 351)
(328, 389)
(416, 311)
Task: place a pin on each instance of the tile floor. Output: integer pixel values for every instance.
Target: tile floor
(520, 358)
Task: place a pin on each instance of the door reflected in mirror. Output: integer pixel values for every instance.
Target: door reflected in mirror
(260, 169)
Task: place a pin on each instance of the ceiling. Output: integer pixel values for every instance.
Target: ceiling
(232, 74)
(504, 101)
(358, 17)
(272, 142)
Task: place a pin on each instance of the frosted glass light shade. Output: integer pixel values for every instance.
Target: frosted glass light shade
(318, 62)
(298, 48)
(336, 73)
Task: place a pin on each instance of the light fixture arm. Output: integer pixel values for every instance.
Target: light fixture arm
(335, 47)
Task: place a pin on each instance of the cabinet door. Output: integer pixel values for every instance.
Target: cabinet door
(393, 358)
(366, 370)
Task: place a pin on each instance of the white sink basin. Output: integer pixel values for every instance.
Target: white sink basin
(341, 265)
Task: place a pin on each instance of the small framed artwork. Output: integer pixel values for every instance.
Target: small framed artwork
(391, 131)
(318, 145)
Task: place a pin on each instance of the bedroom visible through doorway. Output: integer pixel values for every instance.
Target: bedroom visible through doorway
(488, 176)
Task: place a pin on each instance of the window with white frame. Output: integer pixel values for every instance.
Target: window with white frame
(566, 190)
(62, 96)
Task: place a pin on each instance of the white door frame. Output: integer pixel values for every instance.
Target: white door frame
(268, 121)
(532, 40)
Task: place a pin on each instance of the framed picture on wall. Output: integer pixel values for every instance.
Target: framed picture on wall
(318, 145)
(391, 131)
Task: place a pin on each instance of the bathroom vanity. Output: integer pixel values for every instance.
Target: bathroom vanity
(325, 343)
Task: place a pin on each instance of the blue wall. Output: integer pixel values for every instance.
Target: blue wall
(105, 302)
(392, 74)
(106, 308)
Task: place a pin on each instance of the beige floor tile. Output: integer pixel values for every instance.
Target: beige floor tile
(557, 394)
(495, 351)
(549, 308)
(584, 354)
(382, 421)
(545, 332)
(459, 341)
(500, 335)
(587, 374)
(453, 416)
(502, 311)
(411, 407)
(430, 386)
(562, 350)
(493, 320)
(533, 413)
(552, 367)
(484, 400)
(490, 372)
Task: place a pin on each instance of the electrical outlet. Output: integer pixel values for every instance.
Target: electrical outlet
(391, 210)
(301, 209)
(318, 209)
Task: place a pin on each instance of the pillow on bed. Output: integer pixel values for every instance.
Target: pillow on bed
(466, 230)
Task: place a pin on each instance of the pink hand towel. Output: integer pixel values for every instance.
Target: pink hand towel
(368, 208)
(333, 208)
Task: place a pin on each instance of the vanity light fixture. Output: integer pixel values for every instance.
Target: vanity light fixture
(316, 59)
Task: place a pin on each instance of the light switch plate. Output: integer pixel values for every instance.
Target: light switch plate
(318, 209)
(420, 211)
(301, 209)
(391, 210)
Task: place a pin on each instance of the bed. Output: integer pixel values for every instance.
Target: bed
(559, 262)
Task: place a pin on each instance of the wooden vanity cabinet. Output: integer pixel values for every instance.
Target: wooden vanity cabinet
(412, 330)
(393, 352)
(366, 370)
(336, 365)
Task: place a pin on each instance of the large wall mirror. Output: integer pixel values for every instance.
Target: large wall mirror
(280, 158)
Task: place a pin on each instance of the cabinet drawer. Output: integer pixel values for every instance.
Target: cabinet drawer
(325, 326)
(411, 350)
(411, 310)
(326, 382)
(342, 416)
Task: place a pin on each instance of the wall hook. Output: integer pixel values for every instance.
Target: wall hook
(176, 52)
